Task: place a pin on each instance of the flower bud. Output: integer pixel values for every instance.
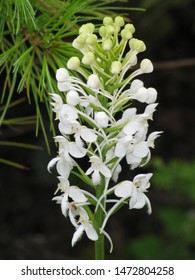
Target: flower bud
(73, 63)
(130, 27)
(72, 98)
(63, 86)
(81, 39)
(137, 45)
(93, 81)
(152, 95)
(108, 21)
(87, 28)
(146, 66)
(101, 119)
(141, 94)
(110, 29)
(62, 75)
(91, 40)
(102, 31)
(126, 34)
(116, 67)
(88, 58)
(136, 84)
(107, 45)
(119, 21)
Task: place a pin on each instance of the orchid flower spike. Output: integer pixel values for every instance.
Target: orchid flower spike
(99, 127)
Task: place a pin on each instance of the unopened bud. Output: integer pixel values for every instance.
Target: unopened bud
(116, 67)
(88, 58)
(152, 95)
(91, 40)
(107, 45)
(130, 27)
(62, 75)
(110, 29)
(119, 21)
(126, 34)
(102, 31)
(108, 21)
(93, 81)
(87, 28)
(141, 94)
(101, 119)
(72, 98)
(73, 63)
(137, 45)
(146, 66)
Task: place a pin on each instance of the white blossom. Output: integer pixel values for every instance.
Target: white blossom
(98, 122)
(97, 167)
(84, 225)
(135, 190)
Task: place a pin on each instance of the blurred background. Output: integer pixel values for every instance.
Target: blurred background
(32, 226)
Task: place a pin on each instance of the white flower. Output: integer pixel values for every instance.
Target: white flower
(71, 191)
(80, 132)
(97, 167)
(135, 190)
(57, 103)
(67, 115)
(67, 148)
(84, 224)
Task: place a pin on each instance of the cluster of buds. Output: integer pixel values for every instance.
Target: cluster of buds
(98, 122)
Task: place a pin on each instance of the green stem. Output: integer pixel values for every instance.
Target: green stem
(99, 248)
(99, 244)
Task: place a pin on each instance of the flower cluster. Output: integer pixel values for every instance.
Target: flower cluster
(98, 123)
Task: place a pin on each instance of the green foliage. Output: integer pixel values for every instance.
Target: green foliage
(172, 232)
(35, 41)
(177, 176)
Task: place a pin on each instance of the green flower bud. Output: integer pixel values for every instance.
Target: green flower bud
(110, 29)
(119, 21)
(126, 34)
(108, 21)
(102, 31)
(88, 58)
(87, 28)
(116, 67)
(137, 45)
(81, 39)
(92, 39)
(73, 63)
(130, 27)
(107, 45)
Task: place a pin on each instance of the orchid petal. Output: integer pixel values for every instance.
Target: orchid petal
(91, 232)
(52, 163)
(88, 135)
(76, 151)
(123, 189)
(120, 150)
(78, 234)
(77, 195)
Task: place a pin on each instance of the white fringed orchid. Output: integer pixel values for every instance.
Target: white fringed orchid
(100, 126)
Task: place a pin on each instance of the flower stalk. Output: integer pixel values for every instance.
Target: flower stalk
(99, 123)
